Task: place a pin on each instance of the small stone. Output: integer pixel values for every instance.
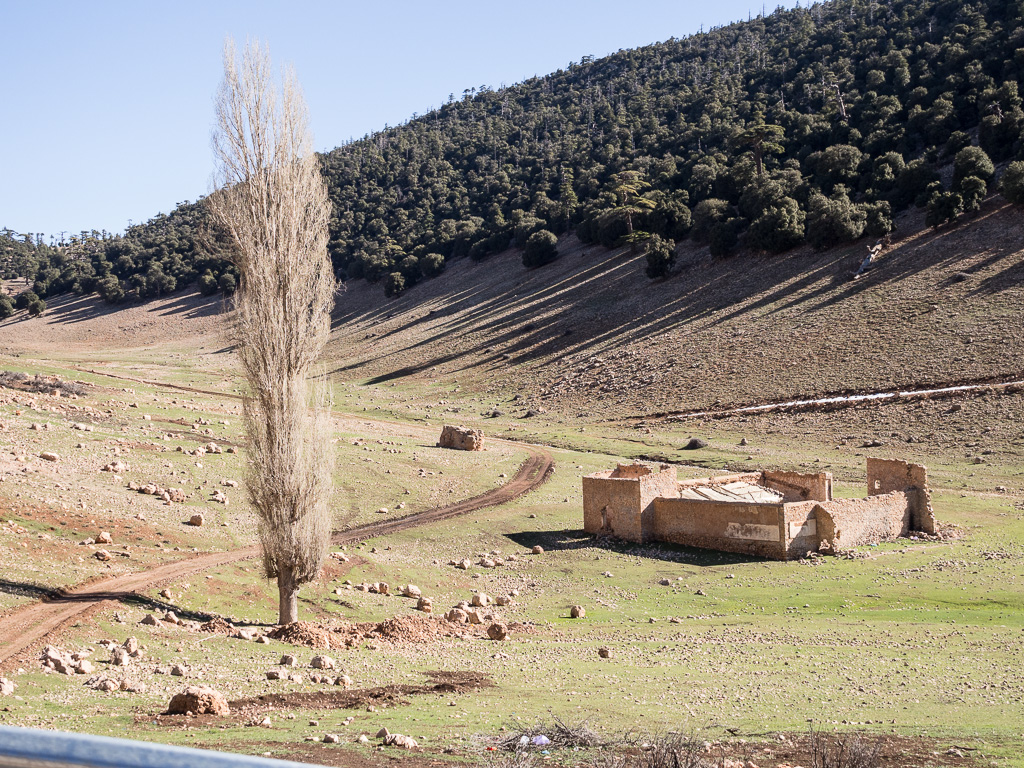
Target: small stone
(322, 662)
(537, 549)
(578, 612)
(288, 661)
(497, 631)
(178, 670)
(665, 582)
(102, 555)
(197, 519)
(273, 674)
(49, 456)
(6, 686)
(332, 738)
(150, 620)
(425, 604)
(481, 599)
(464, 564)
(604, 652)
(104, 538)
(344, 681)
(383, 733)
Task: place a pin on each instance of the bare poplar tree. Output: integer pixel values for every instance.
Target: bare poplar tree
(272, 201)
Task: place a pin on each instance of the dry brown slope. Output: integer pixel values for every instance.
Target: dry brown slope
(591, 329)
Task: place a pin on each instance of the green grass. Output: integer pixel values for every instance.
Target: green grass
(916, 638)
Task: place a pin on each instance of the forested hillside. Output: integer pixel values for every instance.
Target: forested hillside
(813, 125)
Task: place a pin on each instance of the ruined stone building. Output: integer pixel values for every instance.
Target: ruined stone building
(776, 515)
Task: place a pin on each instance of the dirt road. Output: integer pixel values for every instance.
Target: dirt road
(32, 624)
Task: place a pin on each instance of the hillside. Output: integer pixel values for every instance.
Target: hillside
(589, 336)
(814, 125)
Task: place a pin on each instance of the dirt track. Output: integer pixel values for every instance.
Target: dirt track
(33, 623)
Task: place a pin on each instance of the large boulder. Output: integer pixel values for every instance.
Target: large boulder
(199, 700)
(461, 438)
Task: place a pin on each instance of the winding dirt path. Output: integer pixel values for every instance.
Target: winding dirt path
(31, 624)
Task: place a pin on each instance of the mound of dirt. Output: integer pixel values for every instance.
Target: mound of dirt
(410, 629)
(218, 626)
(305, 633)
(400, 629)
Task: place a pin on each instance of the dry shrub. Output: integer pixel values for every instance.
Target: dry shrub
(665, 750)
(40, 383)
(561, 735)
(843, 751)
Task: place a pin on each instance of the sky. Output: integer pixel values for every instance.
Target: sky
(108, 106)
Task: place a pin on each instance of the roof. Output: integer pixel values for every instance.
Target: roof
(737, 491)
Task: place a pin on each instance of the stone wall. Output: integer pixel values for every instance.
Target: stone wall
(800, 528)
(886, 475)
(751, 529)
(846, 523)
(618, 502)
(799, 486)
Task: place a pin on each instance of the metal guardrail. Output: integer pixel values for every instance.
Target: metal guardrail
(35, 748)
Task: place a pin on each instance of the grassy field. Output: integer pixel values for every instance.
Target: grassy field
(922, 639)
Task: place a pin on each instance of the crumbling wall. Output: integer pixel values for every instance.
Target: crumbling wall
(846, 523)
(750, 529)
(618, 502)
(800, 528)
(745, 477)
(886, 475)
(659, 485)
(611, 506)
(799, 486)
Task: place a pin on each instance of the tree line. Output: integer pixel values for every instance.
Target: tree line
(812, 125)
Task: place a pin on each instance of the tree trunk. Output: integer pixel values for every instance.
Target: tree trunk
(288, 597)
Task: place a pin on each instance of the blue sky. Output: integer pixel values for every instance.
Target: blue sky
(108, 106)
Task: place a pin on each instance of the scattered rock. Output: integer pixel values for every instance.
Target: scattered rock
(398, 740)
(457, 616)
(411, 590)
(117, 467)
(578, 612)
(150, 620)
(274, 674)
(537, 549)
(104, 538)
(177, 670)
(197, 519)
(464, 564)
(604, 652)
(288, 661)
(461, 438)
(200, 700)
(120, 657)
(6, 686)
(425, 604)
(102, 555)
(481, 599)
(49, 456)
(497, 631)
(322, 662)
(331, 738)
(695, 443)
